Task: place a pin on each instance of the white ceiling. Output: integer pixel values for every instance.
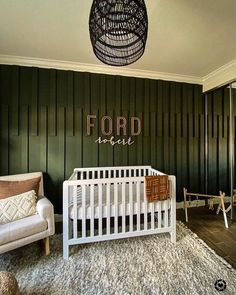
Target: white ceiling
(186, 37)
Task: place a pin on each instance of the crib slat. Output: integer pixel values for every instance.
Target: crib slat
(152, 216)
(100, 209)
(83, 210)
(116, 206)
(138, 204)
(75, 210)
(169, 212)
(159, 220)
(108, 186)
(93, 174)
(165, 214)
(92, 210)
(131, 206)
(145, 207)
(123, 207)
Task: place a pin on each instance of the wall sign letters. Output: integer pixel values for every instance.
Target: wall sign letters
(112, 128)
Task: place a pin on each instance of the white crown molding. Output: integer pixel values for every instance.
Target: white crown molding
(222, 76)
(100, 69)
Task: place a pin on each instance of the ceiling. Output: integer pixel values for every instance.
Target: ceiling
(186, 37)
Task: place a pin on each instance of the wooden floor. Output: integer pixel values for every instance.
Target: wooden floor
(210, 228)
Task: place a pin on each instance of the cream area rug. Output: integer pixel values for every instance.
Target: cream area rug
(144, 265)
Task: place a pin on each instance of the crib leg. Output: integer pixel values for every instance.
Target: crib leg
(65, 251)
(65, 220)
(173, 237)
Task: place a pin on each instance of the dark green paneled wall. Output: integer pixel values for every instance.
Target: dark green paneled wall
(43, 125)
(218, 140)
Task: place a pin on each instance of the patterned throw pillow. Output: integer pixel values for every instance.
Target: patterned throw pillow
(17, 207)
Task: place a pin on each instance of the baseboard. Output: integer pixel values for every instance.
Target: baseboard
(58, 217)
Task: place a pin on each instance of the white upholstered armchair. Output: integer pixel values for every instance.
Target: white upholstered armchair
(40, 226)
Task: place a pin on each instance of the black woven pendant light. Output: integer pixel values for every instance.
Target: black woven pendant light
(118, 30)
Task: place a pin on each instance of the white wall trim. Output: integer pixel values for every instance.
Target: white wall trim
(222, 76)
(82, 67)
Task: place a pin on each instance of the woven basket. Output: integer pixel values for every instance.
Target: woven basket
(8, 284)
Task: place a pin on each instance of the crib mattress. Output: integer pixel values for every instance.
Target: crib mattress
(119, 207)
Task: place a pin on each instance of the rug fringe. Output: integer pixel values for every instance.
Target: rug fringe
(197, 238)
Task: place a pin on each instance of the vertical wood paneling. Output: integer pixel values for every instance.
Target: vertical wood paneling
(201, 152)
(5, 82)
(34, 104)
(90, 148)
(25, 89)
(24, 139)
(14, 115)
(218, 160)
(139, 142)
(61, 162)
(124, 149)
(4, 136)
(52, 103)
(43, 125)
(74, 145)
(132, 150)
(153, 139)
(95, 92)
(43, 141)
(70, 110)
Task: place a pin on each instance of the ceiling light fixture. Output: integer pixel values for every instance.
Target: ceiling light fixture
(118, 30)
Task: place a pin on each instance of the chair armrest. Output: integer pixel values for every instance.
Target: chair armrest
(46, 211)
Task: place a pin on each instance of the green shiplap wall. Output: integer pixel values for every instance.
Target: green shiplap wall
(43, 117)
(218, 140)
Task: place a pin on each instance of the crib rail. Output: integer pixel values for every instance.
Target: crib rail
(128, 214)
(113, 172)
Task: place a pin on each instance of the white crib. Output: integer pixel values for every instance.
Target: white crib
(110, 203)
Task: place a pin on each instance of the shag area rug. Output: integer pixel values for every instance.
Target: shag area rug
(144, 265)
